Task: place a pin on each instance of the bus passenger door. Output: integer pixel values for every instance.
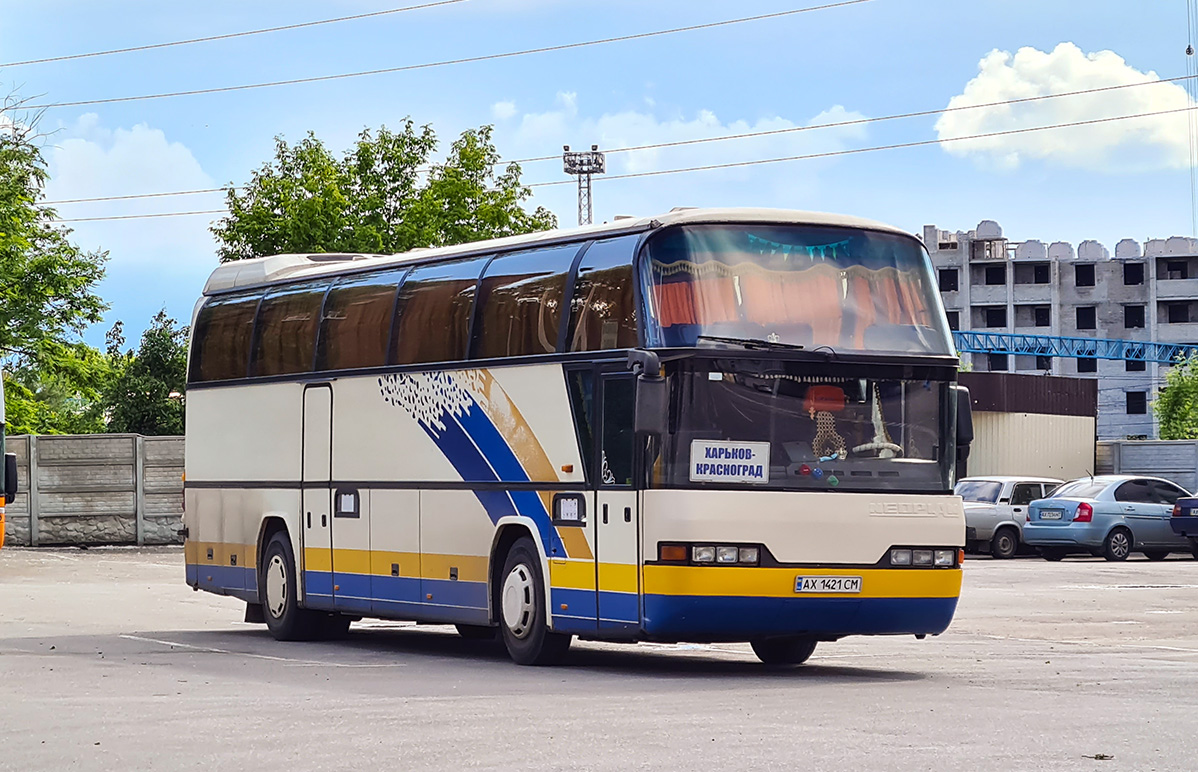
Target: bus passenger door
(616, 516)
(317, 559)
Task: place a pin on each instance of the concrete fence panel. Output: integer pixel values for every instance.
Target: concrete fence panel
(1175, 460)
(96, 489)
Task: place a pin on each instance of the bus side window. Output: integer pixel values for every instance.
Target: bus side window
(619, 396)
(581, 384)
(221, 342)
(433, 313)
(603, 309)
(520, 303)
(285, 335)
(356, 322)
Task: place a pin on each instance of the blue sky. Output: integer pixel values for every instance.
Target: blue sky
(1128, 179)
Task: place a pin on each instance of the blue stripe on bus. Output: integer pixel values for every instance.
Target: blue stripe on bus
(238, 581)
(619, 607)
(360, 590)
(700, 617)
(479, 453)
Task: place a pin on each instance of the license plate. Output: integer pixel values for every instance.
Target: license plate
(828, 584)
(1051, 514)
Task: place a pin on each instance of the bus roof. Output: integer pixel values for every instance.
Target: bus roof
(241, 274)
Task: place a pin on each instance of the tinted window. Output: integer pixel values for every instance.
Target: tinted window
(617, 442)
(582, 401)
(1080, 489)
(603, 309)
(1024, 494)
(221, 342)
(1137, 491)
(1166, 493)
(357, 321)
(286, 330)
(520, 305)
(434, 313)
(985, 491)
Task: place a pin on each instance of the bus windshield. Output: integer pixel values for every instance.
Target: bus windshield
(846, 289)
(782, 426)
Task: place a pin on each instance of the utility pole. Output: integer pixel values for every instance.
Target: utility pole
(583, 164)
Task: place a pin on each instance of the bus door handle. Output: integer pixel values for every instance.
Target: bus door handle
(309, 519)
(324, 520)
(627, 514)
(605, 514)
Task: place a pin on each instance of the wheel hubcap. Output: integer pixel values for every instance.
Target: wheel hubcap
(276, 586)
(519, 601)
(1119, 545)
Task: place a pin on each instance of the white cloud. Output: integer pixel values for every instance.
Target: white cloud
(89, 160)
(154, 263)
(782, 185)
(501, 111)
(1136, 144)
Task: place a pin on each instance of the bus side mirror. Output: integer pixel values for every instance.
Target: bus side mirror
(964, 423)
(10, 477)
(650, 413)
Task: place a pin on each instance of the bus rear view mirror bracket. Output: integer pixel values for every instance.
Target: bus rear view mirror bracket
(10, 477)
(650, 413)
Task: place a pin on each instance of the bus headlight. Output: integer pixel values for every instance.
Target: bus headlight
(726, 554)
(703, 554)
(748, 554)
(945, 557)
(921, 557)
(900, 557)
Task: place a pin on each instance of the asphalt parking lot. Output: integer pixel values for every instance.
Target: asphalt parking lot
(108, 661)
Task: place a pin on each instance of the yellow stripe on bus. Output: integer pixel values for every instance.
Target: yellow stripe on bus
(196, 552)
(780, 582)
(580, 575)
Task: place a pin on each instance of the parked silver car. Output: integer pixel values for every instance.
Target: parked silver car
(996, 508)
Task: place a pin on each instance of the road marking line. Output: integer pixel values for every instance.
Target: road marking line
(213, 650)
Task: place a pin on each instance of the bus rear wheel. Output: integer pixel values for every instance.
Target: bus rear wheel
(790, 650)
(280, 607)
(521, 603)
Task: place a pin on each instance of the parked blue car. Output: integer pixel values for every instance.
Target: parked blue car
(1185, 522)
(1111, 516)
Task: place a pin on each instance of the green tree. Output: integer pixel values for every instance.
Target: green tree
(47, 295)
(145, 395)
(384, 195)
(1177, 404)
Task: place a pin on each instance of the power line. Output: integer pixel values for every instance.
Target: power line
(896, 146)
(727, 137)
(449, 62)
(141, 216)
(763, 161)
(230, 35)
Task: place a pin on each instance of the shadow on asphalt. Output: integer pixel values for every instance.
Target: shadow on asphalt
(418, 645)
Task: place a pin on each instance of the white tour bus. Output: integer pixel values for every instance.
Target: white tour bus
(712, 425)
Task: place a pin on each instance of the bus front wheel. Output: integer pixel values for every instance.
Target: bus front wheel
(522, 609)
(783, 651)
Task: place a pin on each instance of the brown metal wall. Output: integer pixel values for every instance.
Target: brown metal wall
(1044, 394)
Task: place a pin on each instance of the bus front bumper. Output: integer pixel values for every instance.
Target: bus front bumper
(736, 604)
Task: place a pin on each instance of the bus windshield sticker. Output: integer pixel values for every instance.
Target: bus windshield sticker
(737, 462)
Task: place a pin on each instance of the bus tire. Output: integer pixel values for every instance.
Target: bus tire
(788, 650)
(280, 605)
(522, 617)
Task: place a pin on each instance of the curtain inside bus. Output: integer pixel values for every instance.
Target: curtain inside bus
(843, 288)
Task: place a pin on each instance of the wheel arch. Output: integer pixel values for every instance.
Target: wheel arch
(270, 525)
(508, 532)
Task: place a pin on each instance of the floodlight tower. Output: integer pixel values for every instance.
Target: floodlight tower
(583, 164)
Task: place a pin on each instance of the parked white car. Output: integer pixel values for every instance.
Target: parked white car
(996, 509)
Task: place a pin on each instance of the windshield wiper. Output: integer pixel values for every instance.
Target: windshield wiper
(759, 343)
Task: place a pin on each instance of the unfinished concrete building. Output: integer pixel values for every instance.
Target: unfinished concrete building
(1141, 293)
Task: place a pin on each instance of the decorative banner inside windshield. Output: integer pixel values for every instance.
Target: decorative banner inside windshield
(743, 462)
